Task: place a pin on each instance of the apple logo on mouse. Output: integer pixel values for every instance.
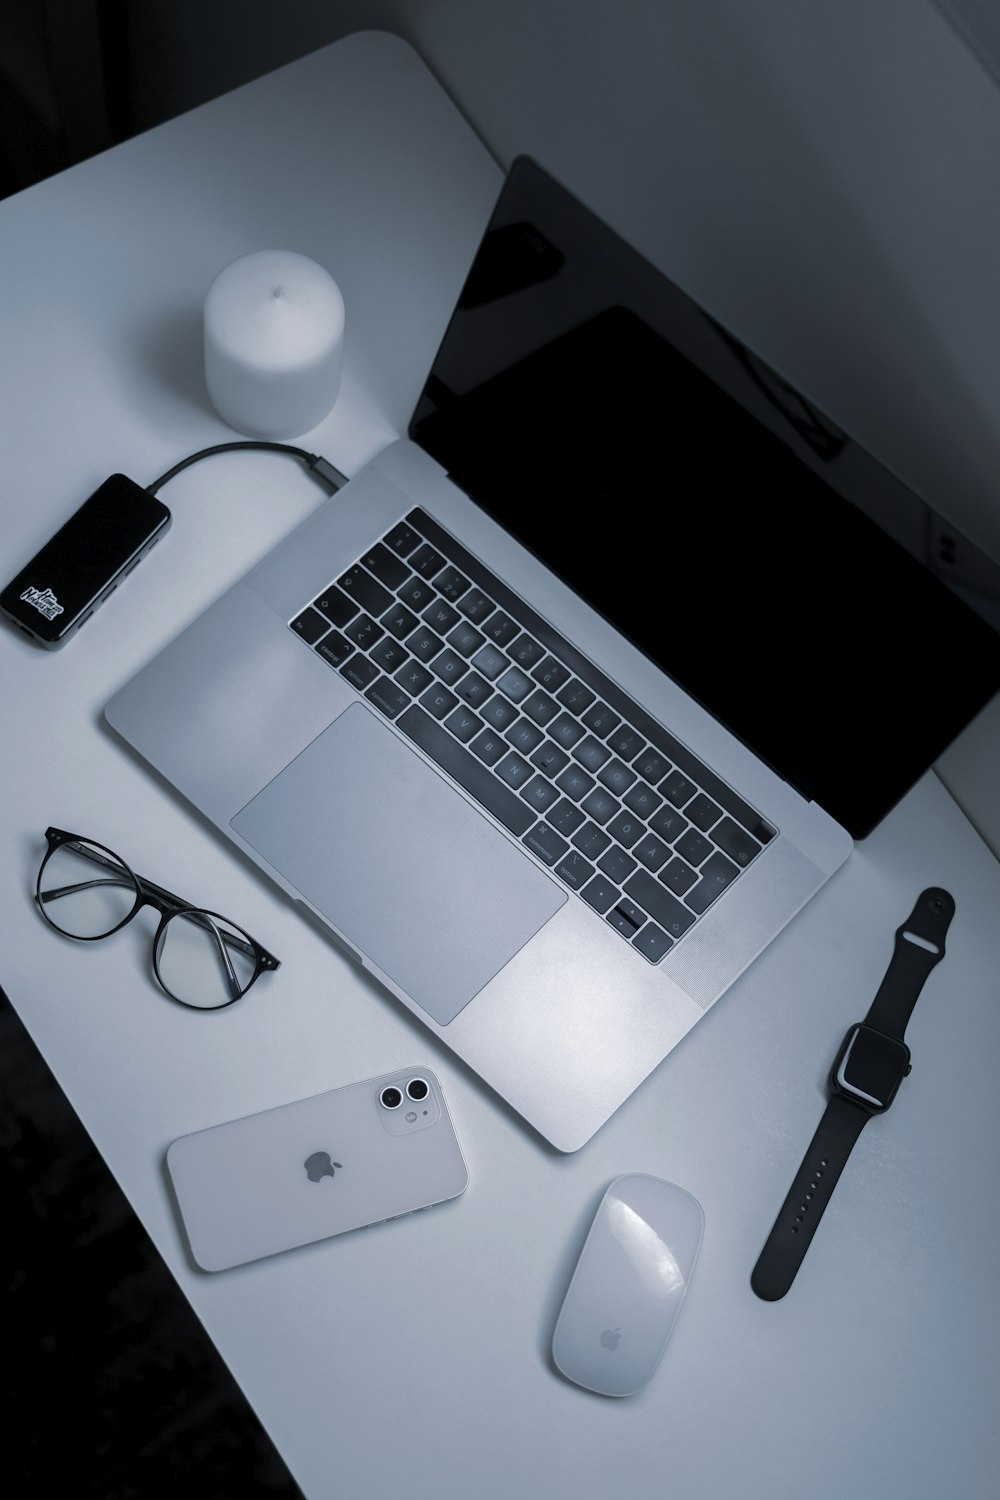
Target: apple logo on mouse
(611, 1338)
(319, 1166)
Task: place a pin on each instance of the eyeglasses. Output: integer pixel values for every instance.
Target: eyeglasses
(200, 958)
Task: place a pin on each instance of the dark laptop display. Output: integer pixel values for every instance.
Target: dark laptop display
(702, 505)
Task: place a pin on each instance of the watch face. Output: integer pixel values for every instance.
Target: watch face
(870, 1067)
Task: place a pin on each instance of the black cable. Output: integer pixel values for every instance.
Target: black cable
(324, 471)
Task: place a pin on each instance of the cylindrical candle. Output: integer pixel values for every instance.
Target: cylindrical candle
(274, 341)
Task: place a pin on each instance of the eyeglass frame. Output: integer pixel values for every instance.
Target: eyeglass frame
(168, 905)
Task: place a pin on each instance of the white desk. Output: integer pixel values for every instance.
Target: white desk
(414, 1358)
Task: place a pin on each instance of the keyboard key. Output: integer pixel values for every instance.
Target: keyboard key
(540, 707)
(364, 632)
(566, 731)
(693, 846)
(335, 604)
(539, 794)
(402, 539)
(565, 816)
(651, 852)
(575, 782)
(490, 662)
(488, 746)
(716, 873)
(416, 593)
(601, 719)
(642, 800)
(476, 606)
(600, 893)
(452, 583)
(616, 864)
(575, 870)
(413, 677)
(616, 777)
(439, 700)
(735, 841)
(446, 752)
(388, 654)
(625, 742)
(600, 805)
(514, 683)
(549, 758)
(365, 590)
(386, 568)
(440, 616)
(465, 638)
(652, 942)
(448, 665)
(678, 876)
(474, 690)
(524, 736)
(575, 696)
(399, 621)
(426, 561)
(546, 843)
(591, 840)
(310, 625)
(591, 753)
(463, 723)
(674, 918)
(551, 674)
(335, 648)
(626, 828)
(627, 917)
(424, 644)
(514, 770)
(498, 712)
(668, 823)
(360, 672)
(677, 789)
(702, 812)
(387, 696)
(526, 652)
(501, 629)
(651, 765)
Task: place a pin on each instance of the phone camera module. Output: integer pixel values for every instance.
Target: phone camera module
(390, 1098)
(417, 1089)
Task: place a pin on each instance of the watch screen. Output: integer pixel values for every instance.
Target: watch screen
(872, 1066)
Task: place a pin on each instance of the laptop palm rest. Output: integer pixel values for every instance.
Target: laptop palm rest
(407, 870)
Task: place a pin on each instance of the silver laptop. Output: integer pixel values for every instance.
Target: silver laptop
(568, 702)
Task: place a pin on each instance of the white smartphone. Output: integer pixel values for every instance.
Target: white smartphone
(305, 1171)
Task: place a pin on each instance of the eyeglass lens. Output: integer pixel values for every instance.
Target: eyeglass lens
(203, 959)
(85, 891)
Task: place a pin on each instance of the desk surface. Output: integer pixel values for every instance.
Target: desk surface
(414, 1358)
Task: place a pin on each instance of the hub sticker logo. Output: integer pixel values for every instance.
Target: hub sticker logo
(44, 600)
(319, 1166)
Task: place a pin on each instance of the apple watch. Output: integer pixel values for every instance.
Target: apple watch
(872, 1062)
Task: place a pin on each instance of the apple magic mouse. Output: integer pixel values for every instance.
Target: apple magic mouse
(628, 1286)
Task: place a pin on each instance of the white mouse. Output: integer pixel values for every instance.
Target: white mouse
(628, 1286)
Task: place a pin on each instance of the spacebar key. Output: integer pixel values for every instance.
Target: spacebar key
(466, 770)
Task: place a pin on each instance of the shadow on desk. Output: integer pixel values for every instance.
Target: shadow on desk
(110, 1378)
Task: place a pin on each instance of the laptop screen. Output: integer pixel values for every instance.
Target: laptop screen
(701, 504)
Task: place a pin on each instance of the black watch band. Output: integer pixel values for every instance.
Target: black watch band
(920, 943)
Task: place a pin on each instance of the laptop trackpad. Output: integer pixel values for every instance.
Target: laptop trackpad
(412, 874)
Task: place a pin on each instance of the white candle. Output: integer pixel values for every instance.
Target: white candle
(274, 340)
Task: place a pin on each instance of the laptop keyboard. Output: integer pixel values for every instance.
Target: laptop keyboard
(625, 816)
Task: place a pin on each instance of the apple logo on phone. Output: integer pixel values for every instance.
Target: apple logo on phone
(611, 1337)
(319, 1166)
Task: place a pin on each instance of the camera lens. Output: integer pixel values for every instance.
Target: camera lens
(390, 1098)
(417, 1089)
